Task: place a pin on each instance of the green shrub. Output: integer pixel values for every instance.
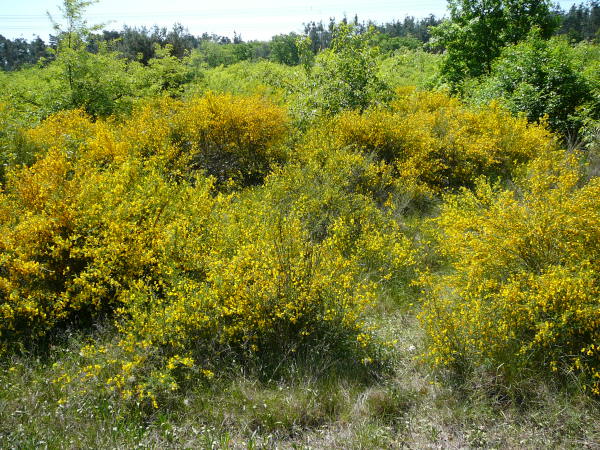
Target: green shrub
(345, 75)
(540, 79)
(410, 68)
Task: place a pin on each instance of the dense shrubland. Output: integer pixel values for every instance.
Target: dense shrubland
(435, 141)
(523, 294)
(148, 223)
(171, 232)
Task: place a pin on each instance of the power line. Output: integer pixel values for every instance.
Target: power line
(236, 11)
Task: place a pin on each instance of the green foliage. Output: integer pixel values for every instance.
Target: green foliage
(19, 53)
(102, 84)
(305, 54)
(581, 22)
(284, 49)
(213, 54)
(388, 44)
(275, 81)
(345, 75)
(410, 68)
(540, 79)
(165, 72)
(477, 31)
(14, 149)
(75, 29)
(74, 64)
(587, 56)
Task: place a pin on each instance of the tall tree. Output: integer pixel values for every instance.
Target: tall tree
(73, 35)
(479, 29)
(284, 49)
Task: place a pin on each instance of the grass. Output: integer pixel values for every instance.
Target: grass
(405, 406)
(315, 401)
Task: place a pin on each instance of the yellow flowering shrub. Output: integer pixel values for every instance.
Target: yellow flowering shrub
(524, 292)
(102, 208)
(74, 237)
(67, 130)
(433, 139)
(228, 137)
(232, 137)
(354, 200)
(270, 285)
(116, 220)
(265, 286)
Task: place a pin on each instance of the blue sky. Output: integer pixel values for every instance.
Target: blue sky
(258, 19)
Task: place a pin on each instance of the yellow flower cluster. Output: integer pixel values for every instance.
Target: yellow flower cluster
(433, 139)
(102, 207)
(228, 137)
(269, 281)
(67, 130)
(525, 289)
(121, 220)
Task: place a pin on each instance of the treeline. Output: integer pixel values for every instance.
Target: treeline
(17, 53)
(580, 22)
(213, 50)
